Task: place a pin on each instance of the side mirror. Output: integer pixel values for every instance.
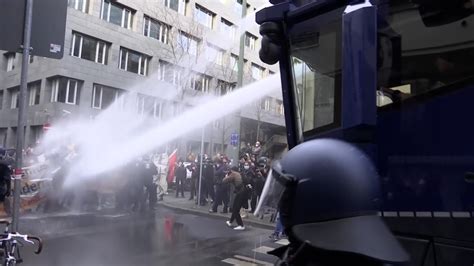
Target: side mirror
(270, 50)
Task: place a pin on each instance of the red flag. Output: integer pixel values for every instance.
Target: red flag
(171, 166)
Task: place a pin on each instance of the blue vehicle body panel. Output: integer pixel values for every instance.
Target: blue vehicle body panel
(359, 67)
(424, 152)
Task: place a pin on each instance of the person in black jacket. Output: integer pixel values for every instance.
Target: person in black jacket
(180, 178)
(222, 190)
(5, 185)
(148, 172)
(208, 181)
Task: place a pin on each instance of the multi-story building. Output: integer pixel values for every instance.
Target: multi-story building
(112, 47)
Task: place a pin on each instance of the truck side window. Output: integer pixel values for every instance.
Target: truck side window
(423, 46)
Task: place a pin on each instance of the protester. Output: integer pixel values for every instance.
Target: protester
(180, 173)
(240, 190)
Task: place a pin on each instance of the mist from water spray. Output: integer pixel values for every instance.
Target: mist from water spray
(119, 135)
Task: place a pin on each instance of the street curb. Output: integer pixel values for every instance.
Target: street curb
(194, 211)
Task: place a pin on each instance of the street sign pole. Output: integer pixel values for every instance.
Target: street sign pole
(200, 166)
(22, 109)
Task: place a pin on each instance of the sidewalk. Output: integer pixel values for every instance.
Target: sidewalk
(184, 204)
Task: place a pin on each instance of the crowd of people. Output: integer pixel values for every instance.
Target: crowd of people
(231, 187)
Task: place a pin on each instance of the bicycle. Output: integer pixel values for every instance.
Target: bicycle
(9, 250)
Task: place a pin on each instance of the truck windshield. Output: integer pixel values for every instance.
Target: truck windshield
(316, 62)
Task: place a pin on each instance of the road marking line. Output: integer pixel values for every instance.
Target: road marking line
(252, 260)
(283, 242)
(262, 249)
(233, 261)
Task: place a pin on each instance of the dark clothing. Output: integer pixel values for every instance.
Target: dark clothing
(222, 189)
(194, 179)
(222, 197)
(258, 182)
(5, 180)
(148, 172)
(238, 202)
(180, 179)
(208, 181)
(240, 195)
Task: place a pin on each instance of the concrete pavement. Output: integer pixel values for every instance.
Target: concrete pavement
(184, 204)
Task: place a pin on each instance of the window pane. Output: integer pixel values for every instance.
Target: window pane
(143, 66)
(89, 48)
(123, 59)
(77, 45)
(127, 20)
(72, 91)
(105, 10)
(115, 15)
(96, 97)
(174, 4)
(101, 56)
(154, 30)
(108, 96)
(145, 26)
(316, 62)
(411, 64)
(80, 5)
(62, 90)
(133, 62)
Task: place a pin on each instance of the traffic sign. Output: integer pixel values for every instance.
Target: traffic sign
(48, 27)
(234, 139)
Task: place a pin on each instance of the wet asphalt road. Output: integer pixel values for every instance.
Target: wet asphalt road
(162, 237)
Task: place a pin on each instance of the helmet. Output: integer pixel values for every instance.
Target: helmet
(262, 161)
(327, 193)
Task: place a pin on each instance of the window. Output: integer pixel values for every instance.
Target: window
(188, 43)
(227, 29)
(10, 61)
(316, 64)
(15, 100)
(224, 87)
(271, 72)
(169, 73)
(1, 99)
(179, 6)
(238, 7)
(133, 61)
(257, 71)
(265, 104)
(200, 82)
(214, 54)
(250, 41)
(204, 16)
(65, 90)
(279, 105)
(116, 14)
(80, 5)
(104, 96)
(155, 29)
(424, 47)
(34, 93)
(89, 48)
(149, 106)
(234, 62)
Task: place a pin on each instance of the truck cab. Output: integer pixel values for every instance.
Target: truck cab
(395, 78)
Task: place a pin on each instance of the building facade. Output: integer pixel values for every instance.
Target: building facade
(142, 46)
